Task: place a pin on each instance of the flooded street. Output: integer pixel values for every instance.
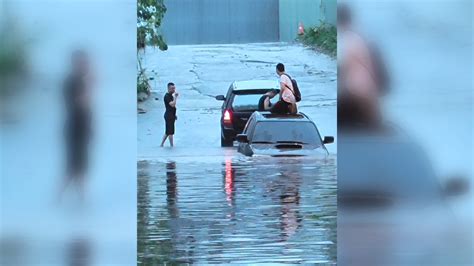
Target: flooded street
(200, 203)
(201, 72)
(257, 210)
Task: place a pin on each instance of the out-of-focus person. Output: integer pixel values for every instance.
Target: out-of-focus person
(77, 93)
(362, 77)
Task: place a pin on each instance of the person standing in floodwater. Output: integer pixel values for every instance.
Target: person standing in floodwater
(170, 99)
(77, 90)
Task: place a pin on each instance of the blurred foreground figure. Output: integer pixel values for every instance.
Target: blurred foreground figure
(78, 122)
(361, 76)
(394, 207)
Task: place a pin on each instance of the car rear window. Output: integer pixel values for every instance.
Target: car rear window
(286, 131)
(246, 102)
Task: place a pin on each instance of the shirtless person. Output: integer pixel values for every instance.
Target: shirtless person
(78, 127)
(358, 92)
(264, 104)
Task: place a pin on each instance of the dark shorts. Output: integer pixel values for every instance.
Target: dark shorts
(353, 111)
(280, 107)
(77, 142)
(169, 125)
(76, 158)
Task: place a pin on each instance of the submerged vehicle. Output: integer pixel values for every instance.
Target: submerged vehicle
(281, 135)
(239, 104)
(392, 206)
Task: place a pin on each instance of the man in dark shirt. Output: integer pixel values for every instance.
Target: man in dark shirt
(264, 103)
(170, 114)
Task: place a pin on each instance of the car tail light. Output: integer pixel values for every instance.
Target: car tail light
(228, 117)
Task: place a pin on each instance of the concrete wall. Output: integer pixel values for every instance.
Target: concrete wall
(309, 12)
(242, 21)
(220, 21)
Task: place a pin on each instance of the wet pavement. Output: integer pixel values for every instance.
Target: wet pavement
(200, 203)
(202, 71)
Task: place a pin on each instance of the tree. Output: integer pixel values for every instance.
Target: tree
(13, 54)
(150, 14)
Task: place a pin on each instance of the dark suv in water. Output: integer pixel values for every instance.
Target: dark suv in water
(239, 103)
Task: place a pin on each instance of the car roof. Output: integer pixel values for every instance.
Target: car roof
(255, 85)
(267, 116)
(384, 163)
(388, 135)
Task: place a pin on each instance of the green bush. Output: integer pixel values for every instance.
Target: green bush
(13, 55)
(150, 14)
(142, 84)
(322, 38)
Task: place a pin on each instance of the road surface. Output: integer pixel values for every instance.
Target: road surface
(200, 203)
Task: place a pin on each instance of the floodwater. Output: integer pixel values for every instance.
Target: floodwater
(257, 210)
(200, 203)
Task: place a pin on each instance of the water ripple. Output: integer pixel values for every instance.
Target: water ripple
(271, 210)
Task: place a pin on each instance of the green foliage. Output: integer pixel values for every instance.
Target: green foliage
(142, 84)
(11, 58)
(322, 37)
(150, 14)
(13, 55)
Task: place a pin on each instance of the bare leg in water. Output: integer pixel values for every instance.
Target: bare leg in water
(81, 187)
(170, 137)
(163, 141)
(79, 184)
(63, 187)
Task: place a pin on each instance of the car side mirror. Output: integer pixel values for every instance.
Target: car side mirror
(242, 138)
(220, 98)
(328, 139)
(456, 186)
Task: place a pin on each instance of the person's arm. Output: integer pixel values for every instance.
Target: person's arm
(266, 104)
(173, 102)
(282, 87)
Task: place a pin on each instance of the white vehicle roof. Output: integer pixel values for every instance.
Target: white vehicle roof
(256, 84)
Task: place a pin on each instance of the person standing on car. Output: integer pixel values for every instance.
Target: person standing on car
(264, 104)
(287, 102)
(170, 99)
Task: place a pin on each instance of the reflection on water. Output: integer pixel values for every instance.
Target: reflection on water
(263, 210)
(79, 253)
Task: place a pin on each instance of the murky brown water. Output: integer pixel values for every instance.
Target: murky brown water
(273, 210)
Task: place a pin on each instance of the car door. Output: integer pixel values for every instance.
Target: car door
(248, 130)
